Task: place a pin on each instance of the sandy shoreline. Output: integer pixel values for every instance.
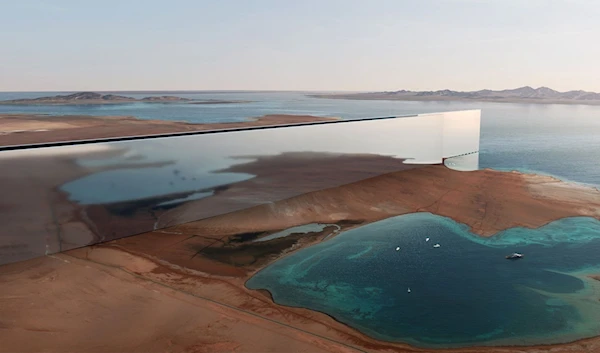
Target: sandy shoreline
(182, 288)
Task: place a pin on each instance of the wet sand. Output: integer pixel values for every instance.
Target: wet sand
(18, 129)
(181, 289)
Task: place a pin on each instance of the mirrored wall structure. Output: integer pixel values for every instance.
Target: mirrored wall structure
(60, 197)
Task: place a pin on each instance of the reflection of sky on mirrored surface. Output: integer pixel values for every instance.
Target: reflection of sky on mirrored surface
(193, 162)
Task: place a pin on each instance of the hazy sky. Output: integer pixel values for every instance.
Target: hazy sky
(298, 45)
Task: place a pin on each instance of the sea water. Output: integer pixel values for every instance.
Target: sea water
(463, 293)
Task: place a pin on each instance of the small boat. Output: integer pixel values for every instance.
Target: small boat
(426, 239)
(397, 248)
(514, 256)
(436, 245)
(408, 290)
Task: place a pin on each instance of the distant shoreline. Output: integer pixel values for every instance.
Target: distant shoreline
(526, 94)
(368, 96)
(94, 98)
(21, 129)
(99, 102)
(104, 102)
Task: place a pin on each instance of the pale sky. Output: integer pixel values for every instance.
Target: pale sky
(72, 45)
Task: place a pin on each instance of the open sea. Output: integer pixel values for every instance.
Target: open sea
(464, 292)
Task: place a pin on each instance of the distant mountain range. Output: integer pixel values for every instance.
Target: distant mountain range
(522, 94)
(98, 98)
(92, 98)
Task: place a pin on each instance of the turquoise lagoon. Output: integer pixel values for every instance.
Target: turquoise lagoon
(463, 293)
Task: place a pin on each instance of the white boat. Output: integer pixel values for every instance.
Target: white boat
(514, 256)
(408, 290)
(436, 245)
(397, 248)
(426, 239)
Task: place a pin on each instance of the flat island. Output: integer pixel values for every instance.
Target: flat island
(18, 129)
(99, 98)
(541, 95)
(186, 288)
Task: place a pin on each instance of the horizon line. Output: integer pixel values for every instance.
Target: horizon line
(276, 90)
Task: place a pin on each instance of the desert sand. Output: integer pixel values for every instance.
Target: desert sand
(107, 300)
(181, 288)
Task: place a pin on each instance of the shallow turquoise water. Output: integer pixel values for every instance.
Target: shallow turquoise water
(463, 293)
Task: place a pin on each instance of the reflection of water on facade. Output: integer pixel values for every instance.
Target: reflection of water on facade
(196, 159)
(132, 184)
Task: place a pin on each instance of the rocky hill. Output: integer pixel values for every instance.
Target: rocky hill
(523, 94)
(93, 98)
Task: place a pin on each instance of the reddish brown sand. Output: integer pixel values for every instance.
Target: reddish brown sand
(181, 289)
(103, 299)
(17, 129)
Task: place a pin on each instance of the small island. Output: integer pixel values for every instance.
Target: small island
(99, 98)
(541, 95)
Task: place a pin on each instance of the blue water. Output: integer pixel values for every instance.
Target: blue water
(463, 293)
(560, 140)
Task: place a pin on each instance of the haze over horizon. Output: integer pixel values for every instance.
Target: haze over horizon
(462, 45)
